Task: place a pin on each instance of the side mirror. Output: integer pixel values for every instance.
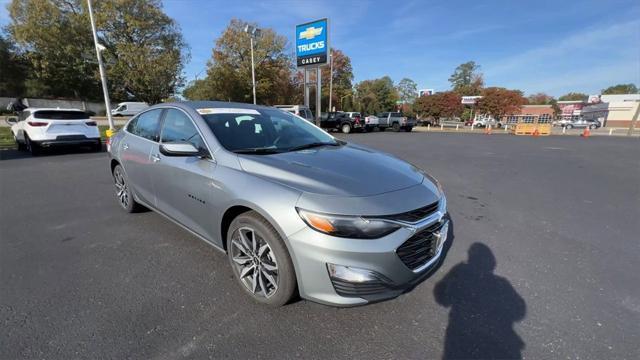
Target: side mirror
(10, 120)
(179, 149)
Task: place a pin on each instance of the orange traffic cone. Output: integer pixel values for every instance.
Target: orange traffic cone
(536, 133)
(586, 133)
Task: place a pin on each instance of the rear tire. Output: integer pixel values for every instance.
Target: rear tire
(124, 194)
(569, 126)
(31, 147)
(260, 260)
(396, 127)
(408, 128)
(346, 128)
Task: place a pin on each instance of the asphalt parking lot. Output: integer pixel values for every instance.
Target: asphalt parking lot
(543, 264)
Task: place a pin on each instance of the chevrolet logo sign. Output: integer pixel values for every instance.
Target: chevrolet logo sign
(310, 33)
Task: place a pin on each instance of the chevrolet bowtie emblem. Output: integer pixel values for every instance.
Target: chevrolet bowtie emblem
(310, 33)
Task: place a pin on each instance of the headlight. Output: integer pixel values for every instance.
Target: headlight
(347, 226)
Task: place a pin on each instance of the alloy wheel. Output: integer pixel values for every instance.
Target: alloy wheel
(255, 262)
(122, 191)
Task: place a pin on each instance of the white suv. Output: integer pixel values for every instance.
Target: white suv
(38, 128)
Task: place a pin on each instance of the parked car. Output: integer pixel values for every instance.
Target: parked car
(583, 123)
(38, 128)
(342, 122)
(486, 121)
(293, 208)
(395, 121)
(129, 108)
(371, 123)
(300, 110)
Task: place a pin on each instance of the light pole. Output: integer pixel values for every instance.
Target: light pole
(341, 100)
(253, 32)
(331, 80)
(103, 76)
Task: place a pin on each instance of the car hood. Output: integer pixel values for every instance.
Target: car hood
(346, 170)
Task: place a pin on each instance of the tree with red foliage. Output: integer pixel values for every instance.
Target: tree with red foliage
(498, 102)
(439, 105)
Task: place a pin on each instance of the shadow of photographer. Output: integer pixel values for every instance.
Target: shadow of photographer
(484, 309)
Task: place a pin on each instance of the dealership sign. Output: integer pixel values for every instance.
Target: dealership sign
(312, 43)
(470, 99)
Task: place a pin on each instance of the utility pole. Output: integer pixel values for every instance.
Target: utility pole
(634, 120)
(331, 80)
(253, 73)
(253, 32)
(103, 76)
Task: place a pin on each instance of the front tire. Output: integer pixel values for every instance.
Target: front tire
(346, 128)
(260, 260)
(123, 191)
(396, 127)
(568, 126)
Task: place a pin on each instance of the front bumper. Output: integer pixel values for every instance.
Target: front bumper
(391, 273)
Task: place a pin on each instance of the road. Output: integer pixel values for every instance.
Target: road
(552, 224)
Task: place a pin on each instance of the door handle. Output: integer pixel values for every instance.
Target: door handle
(125, 146)
(155, 158)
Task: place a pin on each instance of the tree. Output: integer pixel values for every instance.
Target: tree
(540, 99)
(144, 48)
(573, 96)
(229, 69)
(56, 40)
(14, 70)
(342, 80)
(499, 102)
(407, 90)
(467, 80)
(376, 95)
(443, 104)
(621, 89)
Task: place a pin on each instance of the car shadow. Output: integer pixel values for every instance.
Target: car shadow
(483, 309)
(15, 154)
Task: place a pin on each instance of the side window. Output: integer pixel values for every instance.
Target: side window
(147, 125)
(132, 125)
(124, 108)
(178, 127)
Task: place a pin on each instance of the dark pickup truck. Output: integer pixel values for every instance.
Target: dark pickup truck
(341, 121)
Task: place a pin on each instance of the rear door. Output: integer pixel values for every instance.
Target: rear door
(183, 183)
(142, 135)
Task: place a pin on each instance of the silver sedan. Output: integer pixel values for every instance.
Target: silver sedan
(294, 209)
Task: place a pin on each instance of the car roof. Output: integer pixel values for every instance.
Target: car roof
(195, 105)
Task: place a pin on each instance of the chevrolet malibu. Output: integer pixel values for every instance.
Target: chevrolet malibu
(294, 209)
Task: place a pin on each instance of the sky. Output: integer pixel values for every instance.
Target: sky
(534, 46)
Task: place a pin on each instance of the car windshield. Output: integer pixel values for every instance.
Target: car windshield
(263, 131)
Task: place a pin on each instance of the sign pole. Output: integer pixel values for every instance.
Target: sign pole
(306, 87)
(318, 94)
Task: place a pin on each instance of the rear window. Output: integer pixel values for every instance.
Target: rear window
(60, 115)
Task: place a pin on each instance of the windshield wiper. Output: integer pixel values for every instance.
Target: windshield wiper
(312, 145)
(262, 150)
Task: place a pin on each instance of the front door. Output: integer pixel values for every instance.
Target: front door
(135, 151)
(183, 184)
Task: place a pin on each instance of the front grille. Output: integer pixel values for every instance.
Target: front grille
(349, 289)
(71, 137)
(420, 248)
(413, 215)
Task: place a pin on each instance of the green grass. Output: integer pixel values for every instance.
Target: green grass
(6, 138)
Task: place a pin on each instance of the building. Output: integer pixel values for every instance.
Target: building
(426, 92)
(543, 113)
(612, 114)
(571, 109)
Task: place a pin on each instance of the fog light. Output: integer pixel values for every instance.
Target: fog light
(351, 274)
